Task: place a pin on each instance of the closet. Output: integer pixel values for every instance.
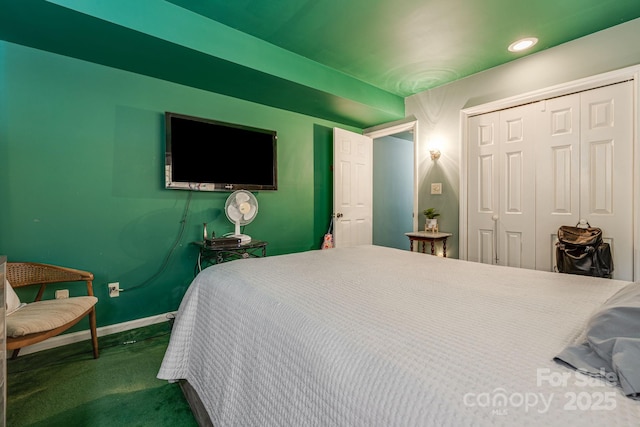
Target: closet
(559, 161)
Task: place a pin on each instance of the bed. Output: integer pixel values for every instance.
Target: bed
(373, 336)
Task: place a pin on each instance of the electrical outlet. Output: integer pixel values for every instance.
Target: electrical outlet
(62, 293)
(114, 289)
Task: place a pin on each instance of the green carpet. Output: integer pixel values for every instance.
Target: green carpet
(65, 386)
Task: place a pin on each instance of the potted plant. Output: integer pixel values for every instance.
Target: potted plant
(432, 219)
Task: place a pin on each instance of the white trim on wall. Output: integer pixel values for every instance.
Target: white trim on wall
(575, 86)
(592, 82)
(636, 175)
(464, 177)
(75, 337)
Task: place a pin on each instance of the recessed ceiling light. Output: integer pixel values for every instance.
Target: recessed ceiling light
(522, 44)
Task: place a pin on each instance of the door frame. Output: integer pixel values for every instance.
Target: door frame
(625, 74)
(408, 124)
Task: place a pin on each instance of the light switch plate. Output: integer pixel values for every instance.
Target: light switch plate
(436, 188)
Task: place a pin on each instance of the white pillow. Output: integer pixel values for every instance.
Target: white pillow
(612, 348)
(13, 301)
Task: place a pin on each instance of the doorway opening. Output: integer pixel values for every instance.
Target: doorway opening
(394, 182)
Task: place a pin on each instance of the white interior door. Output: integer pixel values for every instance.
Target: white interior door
(517, 217)
(557, 175)
(352, 188)
(606, 194)
(584, 171)
(501, 184)
(552, 163)
(483, 202)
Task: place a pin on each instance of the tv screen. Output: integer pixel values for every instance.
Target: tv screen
(208, 155)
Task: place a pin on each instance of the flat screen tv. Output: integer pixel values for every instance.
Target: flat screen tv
(208, 155)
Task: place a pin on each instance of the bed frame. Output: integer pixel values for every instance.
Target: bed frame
(196, 405)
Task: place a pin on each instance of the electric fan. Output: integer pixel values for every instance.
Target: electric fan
(241, 208)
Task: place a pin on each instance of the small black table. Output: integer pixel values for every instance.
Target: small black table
(215, 255)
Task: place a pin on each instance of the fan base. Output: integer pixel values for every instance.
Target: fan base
(244, 239)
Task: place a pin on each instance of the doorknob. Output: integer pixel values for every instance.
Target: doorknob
(339, 215)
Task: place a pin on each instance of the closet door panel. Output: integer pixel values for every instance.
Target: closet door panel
(483, 187)
(485, 179)
(601, 178)
(516, 225)
(607, 169)
(561, 197)
(485, 250)
(557, 175)
(513, 249)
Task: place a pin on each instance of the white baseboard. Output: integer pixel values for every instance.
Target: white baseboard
(74, 337)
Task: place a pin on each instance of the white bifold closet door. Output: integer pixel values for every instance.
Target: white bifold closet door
(585, 171)
(536, 167)
(501, 187)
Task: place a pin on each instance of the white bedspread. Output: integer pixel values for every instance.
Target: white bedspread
(371, 336)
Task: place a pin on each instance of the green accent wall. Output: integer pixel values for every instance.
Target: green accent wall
(158, 39)
(82, 178)
(322, 179)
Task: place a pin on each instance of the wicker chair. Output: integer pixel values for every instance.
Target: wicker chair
(43, 319)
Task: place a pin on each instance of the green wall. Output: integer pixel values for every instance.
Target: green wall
(159, 39)
(81, 149)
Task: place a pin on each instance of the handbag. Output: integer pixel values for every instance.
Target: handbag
(582, 251)
(327, 241)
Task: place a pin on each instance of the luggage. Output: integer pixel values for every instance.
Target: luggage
(582, 251)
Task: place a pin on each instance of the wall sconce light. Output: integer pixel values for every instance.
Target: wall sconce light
(434, 145)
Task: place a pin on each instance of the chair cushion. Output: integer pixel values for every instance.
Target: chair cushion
(46, 315)
(12, 299)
